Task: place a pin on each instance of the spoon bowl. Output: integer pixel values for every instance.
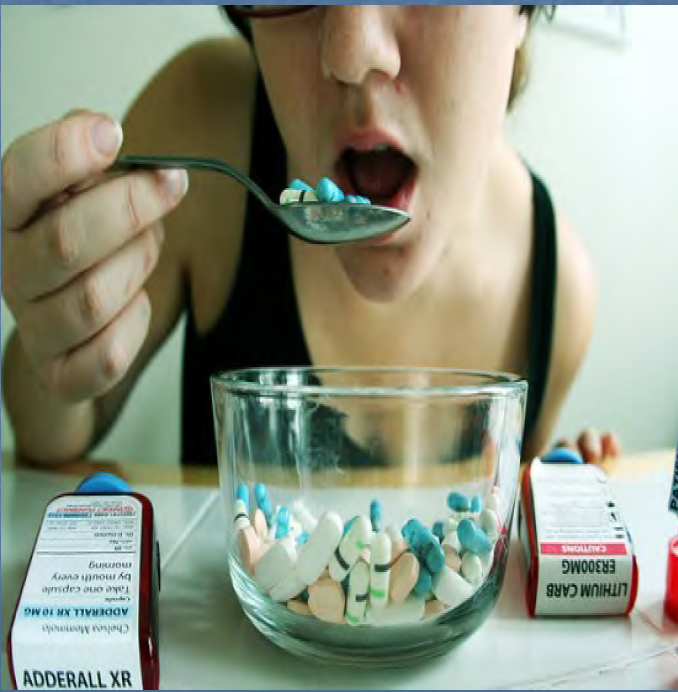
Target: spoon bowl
(325, 223)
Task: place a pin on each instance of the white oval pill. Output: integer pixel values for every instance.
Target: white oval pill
(274, 566)
(451, 588)
(318, 550)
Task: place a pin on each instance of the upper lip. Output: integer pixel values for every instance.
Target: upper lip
(365, 140)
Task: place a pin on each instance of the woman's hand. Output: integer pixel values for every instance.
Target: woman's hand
(593, 446)
(78, 246)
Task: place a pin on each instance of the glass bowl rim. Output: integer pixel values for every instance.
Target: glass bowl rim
(496, 383)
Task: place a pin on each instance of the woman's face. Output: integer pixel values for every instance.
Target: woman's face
(403, 104)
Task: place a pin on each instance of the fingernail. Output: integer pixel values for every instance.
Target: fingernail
(174, 182)
(107, 136)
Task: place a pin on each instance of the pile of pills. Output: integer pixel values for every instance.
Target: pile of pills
(360, 573)
(326, 191)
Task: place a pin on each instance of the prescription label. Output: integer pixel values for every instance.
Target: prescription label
(77, 622)
(580, 555)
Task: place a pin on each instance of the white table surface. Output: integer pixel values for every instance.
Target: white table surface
(206, 642)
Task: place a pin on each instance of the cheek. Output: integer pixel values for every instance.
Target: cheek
(291, 82)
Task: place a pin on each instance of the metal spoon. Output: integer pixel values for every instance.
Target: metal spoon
(314, 222)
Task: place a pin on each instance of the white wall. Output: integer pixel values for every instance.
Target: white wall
(601, 123)
(598, 123)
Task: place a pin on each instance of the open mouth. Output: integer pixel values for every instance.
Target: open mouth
(383, 174)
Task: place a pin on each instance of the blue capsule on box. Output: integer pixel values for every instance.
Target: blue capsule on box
(424, 582)
(363, 200)
(102, 483)
(297, 184)
(243, 494)
(375, 515)
(328, 191)
(282, 523)
(458, 502)
(563, 455)
(352, 199)
(472, 538)
(477, 504)
(264, 502)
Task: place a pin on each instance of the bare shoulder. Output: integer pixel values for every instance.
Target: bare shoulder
(575, 305)
(201, 104)
(575, 311)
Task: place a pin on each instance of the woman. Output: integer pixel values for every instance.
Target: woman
(401, 103)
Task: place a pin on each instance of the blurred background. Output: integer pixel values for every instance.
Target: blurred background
(599, 122)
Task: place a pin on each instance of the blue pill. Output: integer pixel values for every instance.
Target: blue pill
(458, 502)
(302, 538)
(349, 523)
(352, 199)
(297, 184)
(243, 494)
(563, 455)
(282, 523)
(472, 538)
(363, 200)
(424, 545)
(477, 504)
(375, 515)
(327, 191)
(438, 531)
(424, 582)
(263, 501)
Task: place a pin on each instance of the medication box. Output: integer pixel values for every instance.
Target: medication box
(580, 557)
(87, 615)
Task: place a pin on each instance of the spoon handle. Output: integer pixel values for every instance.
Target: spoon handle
(147, 162)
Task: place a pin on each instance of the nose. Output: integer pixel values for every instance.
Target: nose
(357, 41)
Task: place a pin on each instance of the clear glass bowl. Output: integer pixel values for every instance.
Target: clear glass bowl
(335, 440)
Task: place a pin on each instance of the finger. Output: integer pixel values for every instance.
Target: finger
(611, 446)
(44, 163)
(64, 320)
(76, 237)
(590, 446)
(101, 363)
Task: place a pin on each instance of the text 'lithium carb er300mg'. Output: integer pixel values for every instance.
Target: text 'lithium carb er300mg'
(580, 557)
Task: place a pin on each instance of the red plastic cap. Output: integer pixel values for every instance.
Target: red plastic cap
(671, 600)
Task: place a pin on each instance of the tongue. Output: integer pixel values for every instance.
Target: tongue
(378, 175)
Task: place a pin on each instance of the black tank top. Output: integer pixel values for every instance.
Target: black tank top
(261, 327)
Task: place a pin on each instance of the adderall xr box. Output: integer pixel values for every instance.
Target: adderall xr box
(87, 615)
(580, 557)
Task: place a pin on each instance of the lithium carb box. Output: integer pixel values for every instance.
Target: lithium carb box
(580, 557)
(87, 615)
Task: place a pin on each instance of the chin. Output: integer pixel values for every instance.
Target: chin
(383, 274)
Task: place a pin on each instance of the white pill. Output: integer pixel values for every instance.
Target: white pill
(290, 196)
(450, 526)
(317, 551)
(308, 521)
(358, 590)
(240, 516)
(405, 613)
(471, 568)
(275, 565)
(357, 538)
(489, 523)
(453, 541)
(380, 570)
(290, 587)
(450, 587)
(487, 560)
